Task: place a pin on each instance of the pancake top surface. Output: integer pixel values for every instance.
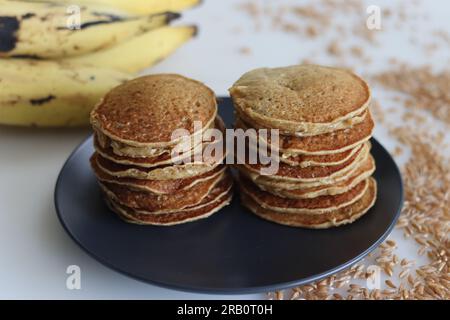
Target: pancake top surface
(302, 93)
(148, 109)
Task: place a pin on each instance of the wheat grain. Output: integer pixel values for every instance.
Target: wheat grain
(403, 273)
(390, 284)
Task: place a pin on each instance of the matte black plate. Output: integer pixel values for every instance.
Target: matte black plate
(233, 251)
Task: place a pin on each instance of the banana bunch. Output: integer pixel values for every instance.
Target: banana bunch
(59, 57)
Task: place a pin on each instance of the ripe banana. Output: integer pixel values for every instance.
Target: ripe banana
(140, 52)
(139, 6)
(41, 30)
(47, 93)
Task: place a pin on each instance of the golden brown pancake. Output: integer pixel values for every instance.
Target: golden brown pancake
(150, 202)
(308, 174)
(219, 190)
(145, 111)
(324, 144)
(201, 211)
(165, 158)
(347, 124)
(332, 159)
(306, 160)
(106, 150)
(344, 215)
(277, 184)
(148, 156)
(154, 186)
(302, 99)
(317, 205)
(148, 162)
(164, 172)
(361, 173)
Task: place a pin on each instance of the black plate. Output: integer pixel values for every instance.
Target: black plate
(231, 252)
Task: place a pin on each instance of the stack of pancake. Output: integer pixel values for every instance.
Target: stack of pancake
(325, 167)
(149, 176)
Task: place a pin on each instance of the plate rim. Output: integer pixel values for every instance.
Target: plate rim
(226, 291)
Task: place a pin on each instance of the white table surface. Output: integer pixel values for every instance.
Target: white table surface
(34, 249)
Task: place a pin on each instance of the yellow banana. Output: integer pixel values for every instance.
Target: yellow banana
(30, 6)
(139, 6)
(148, 6)
(140, 52)
(47, 93)
(42, 30)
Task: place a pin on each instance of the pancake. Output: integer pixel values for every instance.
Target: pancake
(341, 216)
(153, 161)
(125, 150)
(221, 189)
(302, 99)
(157, 203)
(164, 172)
(328, 143)
(144, 112)
(270, 183)
(322, 174)
(108, 152)
(155, 186)
(358, 118)
(361, 173)
(317, 205)
(127, 154)
(168, 219)
(306, 160)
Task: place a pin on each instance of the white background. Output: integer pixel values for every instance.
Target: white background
(35, 251)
